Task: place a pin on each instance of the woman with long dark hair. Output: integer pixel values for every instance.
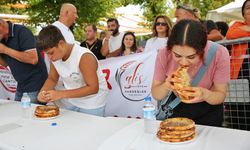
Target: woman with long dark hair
(188, 47)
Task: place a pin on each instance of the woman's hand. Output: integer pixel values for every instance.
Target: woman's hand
(169, 82)
(195, 94)
(174, 79)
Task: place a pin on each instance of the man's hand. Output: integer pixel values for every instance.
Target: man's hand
(49, 96)
(3, 48)
(109, 34)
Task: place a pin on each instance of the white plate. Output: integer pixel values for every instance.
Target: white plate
(178, 143)
(47, 118)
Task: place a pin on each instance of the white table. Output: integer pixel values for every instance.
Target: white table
(77, 131)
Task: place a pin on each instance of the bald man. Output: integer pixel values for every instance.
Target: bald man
(67, 18)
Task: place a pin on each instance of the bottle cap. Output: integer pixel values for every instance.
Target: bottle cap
(148, 98)
(53, 124)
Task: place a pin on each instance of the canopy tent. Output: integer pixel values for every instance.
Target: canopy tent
(229, 12)
(14, 18)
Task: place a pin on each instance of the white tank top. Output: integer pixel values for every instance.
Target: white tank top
(72, 78)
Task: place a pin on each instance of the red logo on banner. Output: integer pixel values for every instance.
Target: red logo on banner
(131, 79)
(107, 75)
(7, 80)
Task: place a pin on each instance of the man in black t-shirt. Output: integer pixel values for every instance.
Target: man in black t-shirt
(92, 43)
(18, 51)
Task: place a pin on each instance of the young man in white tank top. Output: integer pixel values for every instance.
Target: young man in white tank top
(86, 87)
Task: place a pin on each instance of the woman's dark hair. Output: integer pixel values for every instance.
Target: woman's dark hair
(223, 27)
(113, 20)
(189, 33)
(134, 47)
(49, 37)
(243, 7)
(210, 25)
(169, 25)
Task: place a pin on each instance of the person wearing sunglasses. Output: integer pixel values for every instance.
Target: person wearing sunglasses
(161, 29)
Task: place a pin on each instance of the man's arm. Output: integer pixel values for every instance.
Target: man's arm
(105, 47)
(29, 56)
(88, 66)
(115, 53)
(3, 62)
(52, 79)
(105, 44)
(215, 35)
(49, 84)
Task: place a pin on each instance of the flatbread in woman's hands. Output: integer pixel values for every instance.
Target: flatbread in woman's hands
(185, 78)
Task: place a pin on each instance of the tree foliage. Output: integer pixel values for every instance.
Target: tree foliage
(90, 11)
(43, 12)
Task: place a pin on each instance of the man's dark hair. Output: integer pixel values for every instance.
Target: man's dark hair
(49, 37)
(113, 20)
(223, 27)
(188, 33)
(93, 27)
(210, 25)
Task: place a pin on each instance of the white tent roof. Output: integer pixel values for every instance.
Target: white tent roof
(130, 19)
(229, 12)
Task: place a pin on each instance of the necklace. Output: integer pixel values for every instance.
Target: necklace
(91, 46)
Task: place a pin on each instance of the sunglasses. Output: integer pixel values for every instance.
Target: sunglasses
(161, 23)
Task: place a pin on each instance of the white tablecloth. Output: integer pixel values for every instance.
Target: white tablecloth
(77, 131)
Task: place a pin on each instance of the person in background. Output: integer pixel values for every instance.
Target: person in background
(67, 19)
(213, 32)
(102, 35)
(188, 47)
(91, 42)
(186, 12)
(222, 27)
(113, 39)
(18, 51)
(86, 87)
(239, 30)
(161, 29)
(128, 45)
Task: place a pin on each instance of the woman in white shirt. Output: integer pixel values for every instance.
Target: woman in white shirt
(161, 29)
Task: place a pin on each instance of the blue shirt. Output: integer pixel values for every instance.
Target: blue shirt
(29, 77)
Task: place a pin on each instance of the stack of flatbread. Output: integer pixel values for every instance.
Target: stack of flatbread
(46, 111)
(176, 130)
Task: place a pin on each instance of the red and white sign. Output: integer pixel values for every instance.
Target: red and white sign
(8, 84)
(129, 79)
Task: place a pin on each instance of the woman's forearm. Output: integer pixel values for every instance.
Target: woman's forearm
(213, 97)
(159, 91)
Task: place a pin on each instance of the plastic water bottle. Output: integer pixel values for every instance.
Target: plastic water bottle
(149, 116)
(26, 106)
